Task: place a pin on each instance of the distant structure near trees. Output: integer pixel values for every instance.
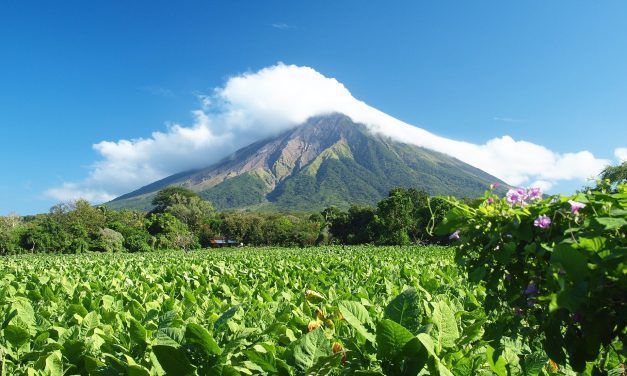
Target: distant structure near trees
(223, 242)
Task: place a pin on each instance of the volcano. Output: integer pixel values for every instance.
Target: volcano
(328, 160)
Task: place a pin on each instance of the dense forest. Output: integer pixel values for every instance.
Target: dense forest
(181, 219)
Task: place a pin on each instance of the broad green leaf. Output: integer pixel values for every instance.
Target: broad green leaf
(594, 244)
(326, 365)
(169, 336)
(173, 360)
(24, 315)
(427, 342)
(309, 348)
(415, 356)
(90, 321)
(92, 364)
(406, 310)
(107, 301)
(444, 319)
(472, 333)
(534, 363)
(137, 332)
(265, 360)
(51, 365)
(468, 366)
(497, 363)
(54, 365)
(572, 260)
(226, 316)
(16, 336)
(391, 340)
(137, 370)
(611, 223)
(74, 350)
(356, 315)
(76, 309)
(197, 335)
(168, 320)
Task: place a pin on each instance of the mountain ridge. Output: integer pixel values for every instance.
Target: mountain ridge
(328, 160)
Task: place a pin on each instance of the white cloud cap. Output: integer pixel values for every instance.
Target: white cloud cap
(259, 104)
(621, 154)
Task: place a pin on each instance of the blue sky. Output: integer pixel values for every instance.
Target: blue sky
(74, 73)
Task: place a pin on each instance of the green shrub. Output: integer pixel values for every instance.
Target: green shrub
(44, 234)
(138, 243)
(109, 241)
(555, 267)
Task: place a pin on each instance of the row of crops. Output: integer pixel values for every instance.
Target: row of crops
(321, 311)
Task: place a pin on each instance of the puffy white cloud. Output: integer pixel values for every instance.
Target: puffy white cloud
(542, 184)
(259, 104)
(621, 154)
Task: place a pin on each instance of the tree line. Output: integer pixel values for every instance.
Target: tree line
(181, 219)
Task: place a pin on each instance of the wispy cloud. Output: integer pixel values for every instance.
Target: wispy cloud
(158, 91)
(256, 105)
(204, 100)
(281, 26)
(508, 119)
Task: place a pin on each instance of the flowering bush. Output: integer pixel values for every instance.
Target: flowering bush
(557, 267)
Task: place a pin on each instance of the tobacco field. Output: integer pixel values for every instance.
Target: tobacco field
(318, 311)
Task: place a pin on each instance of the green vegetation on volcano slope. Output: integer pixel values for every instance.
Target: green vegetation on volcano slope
(386, 310)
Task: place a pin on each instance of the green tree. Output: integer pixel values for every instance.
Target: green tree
(395, 217)
(305, 232)
(199, 215)
(168, 197)
(335, 229)
(44, 234)
(193, 211)
(132, 225)
(359, 225)
(243, 227)
(10, 229)
(278, 230)
(81, 221)
(615, 174)
(170, 233)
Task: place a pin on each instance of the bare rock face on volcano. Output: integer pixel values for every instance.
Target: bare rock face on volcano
(328, 160)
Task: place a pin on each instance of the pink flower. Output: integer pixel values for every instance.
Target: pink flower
(490, 200)
(576, 206)
(454, 236)
(494, 186)
(534, 194)
(543, 222)
(516, 196)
